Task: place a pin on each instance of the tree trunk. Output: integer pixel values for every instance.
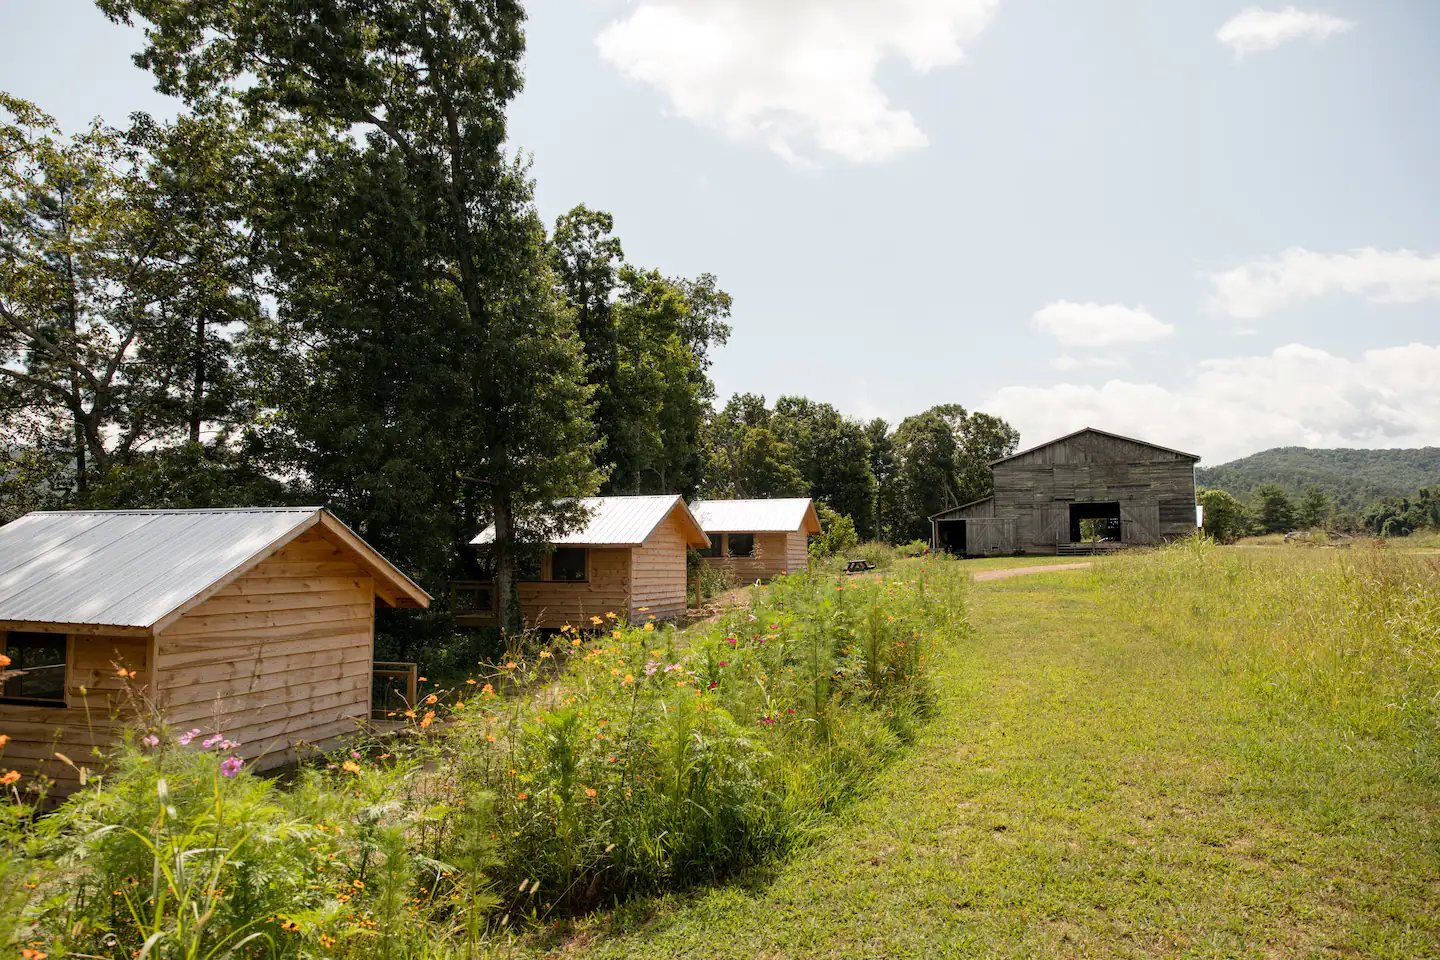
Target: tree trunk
(507, 599)
(197, 391)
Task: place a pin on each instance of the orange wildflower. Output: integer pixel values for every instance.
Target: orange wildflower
(432, 698)
(524, 795)
(428, 719)
(9, 778)
(490, 737)
(488, 690)
(649, 626)
(4, 660)
(350, 766)
(589, 791)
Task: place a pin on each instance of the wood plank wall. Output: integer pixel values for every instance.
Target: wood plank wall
(775, 553)
(658, 573)
(548, 605)
(96, 708)
(1155, 488)
(280, 656)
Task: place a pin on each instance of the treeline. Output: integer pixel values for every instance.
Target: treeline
(1352, 479)
(1270, 509)
(326, 281)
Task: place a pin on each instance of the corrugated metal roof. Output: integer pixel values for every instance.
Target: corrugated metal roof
(614, 522)
(131, 568)
(753, 516)
(127, 568)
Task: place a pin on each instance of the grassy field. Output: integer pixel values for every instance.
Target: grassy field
(1108, 776)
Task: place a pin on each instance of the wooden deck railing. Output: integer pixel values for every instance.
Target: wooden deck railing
(394, 687)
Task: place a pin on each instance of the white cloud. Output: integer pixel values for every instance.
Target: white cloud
(1230, 408)
(1099, 325)
(1253, 29)
(1264, 286)
(793, 74)
(1067, 362)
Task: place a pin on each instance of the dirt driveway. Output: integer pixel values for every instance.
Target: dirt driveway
(1008, 572)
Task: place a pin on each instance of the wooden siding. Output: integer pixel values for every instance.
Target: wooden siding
(280, 657)
(658, 573)
(775, 553)
(96, 708)
(989, 537)
(549, 604)
(1155, 489)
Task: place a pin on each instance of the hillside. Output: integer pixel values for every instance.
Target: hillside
(1353, 478)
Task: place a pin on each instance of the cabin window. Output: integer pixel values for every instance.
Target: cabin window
(742, 544)
(570, 564)
(36, 673)
(717, 546)
(527, 567)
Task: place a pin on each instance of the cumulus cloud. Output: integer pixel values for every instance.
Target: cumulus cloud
(1264, 286)
(1253, 30)
(1295, 395)
(1099, 325)
(793, 74)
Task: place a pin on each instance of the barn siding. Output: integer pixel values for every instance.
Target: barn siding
(658, 573)
(281, 655)
(1156, 496)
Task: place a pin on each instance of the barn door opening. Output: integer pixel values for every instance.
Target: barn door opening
(950, 536)
(1095, 521)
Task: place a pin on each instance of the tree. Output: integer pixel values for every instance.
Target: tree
(944, 459)
(1274, 511)
(745, 457)
(427, 223)
(122, 269)
(832, 453)
(1225, 517)
(1314, 510)
(882, 469)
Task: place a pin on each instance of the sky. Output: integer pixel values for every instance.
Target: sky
(1211, 225)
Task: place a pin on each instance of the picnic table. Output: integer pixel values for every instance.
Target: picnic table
(858, 566)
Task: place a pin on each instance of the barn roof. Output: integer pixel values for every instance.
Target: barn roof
(1103, 433)
(757, 516)
(620, 522)
(964, 506)
(140, 569)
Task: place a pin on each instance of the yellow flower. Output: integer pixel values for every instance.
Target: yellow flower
(575, 642)
(358, 884)
(596, 620)
(610, 616)
(629, 678)
(544, 654)
(290, 925)
(649, 626)
(326, 940)
(350, 766)
(471, 680)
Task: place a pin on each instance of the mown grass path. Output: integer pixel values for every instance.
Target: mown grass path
(1088, 790)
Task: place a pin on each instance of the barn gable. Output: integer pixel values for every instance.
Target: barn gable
(1089, 447)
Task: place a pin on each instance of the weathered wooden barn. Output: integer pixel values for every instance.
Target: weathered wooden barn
(255, 623)
(628, 558)
(758, 539)
(1130, 491)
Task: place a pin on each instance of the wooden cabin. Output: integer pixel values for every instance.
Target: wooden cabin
(628, 557)
(758, 539)
(1087, 491)
(255, 623)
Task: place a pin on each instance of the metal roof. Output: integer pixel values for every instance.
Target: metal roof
(756, 516)
(132, 568)
(618, 522)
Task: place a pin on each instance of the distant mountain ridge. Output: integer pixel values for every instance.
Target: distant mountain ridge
(1352, 478)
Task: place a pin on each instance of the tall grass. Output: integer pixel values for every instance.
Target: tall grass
(605, 761)
(1351, 634)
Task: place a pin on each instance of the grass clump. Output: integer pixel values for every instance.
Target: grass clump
(1347, 634)
(611, 759)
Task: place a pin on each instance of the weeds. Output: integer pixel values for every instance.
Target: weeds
(608, 760)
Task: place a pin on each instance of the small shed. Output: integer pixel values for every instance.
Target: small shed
(627, 558)
(758, 539)
(1082, 492)
(257, 623)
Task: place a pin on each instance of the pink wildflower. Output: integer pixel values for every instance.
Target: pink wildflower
(209, 742)
(185, 738)
(151, 741)
(231, 767)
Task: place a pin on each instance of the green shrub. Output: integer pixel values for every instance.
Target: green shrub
(612, 760)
